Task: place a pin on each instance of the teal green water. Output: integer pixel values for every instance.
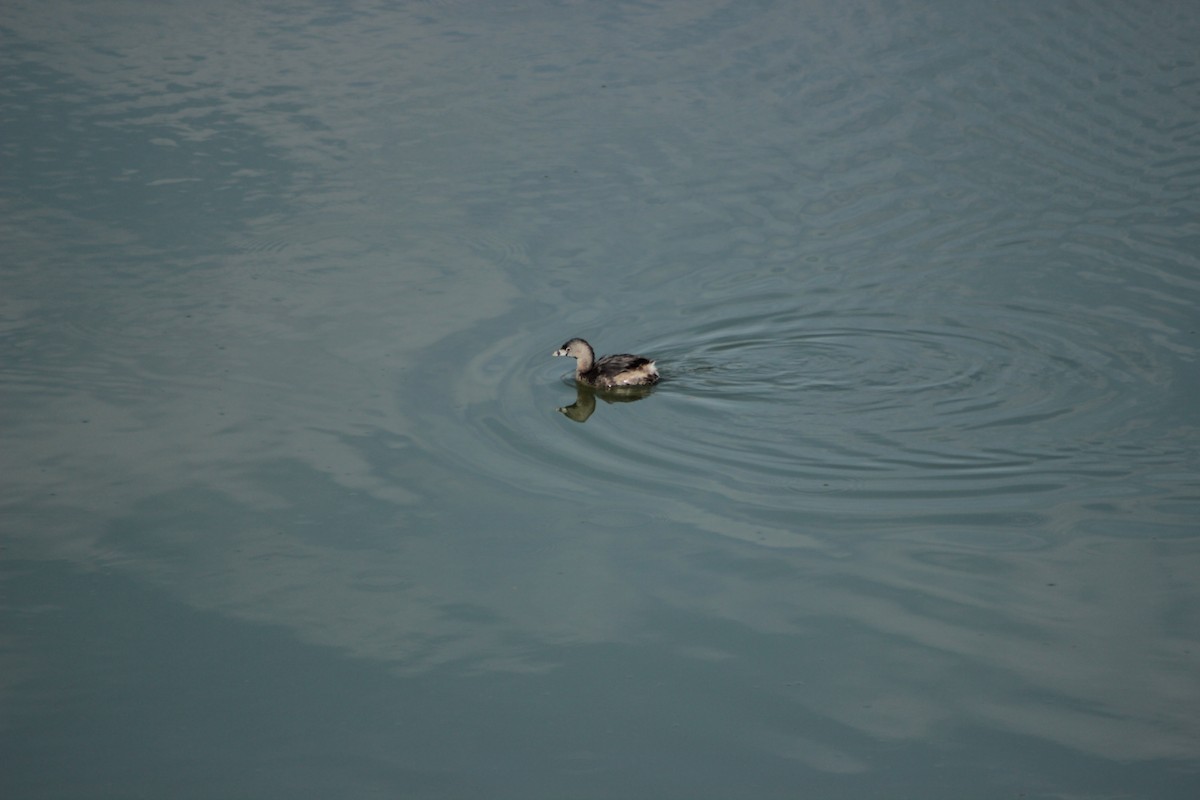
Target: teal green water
(296, 502)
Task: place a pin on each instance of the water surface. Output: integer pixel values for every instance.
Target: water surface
(290, 507)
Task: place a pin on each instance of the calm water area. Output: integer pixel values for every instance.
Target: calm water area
(295, 502)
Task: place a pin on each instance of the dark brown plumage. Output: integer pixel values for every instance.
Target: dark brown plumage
(608, 372)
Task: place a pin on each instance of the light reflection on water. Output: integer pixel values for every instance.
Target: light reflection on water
(919, 485)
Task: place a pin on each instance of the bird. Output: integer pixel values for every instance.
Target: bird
(608, 372)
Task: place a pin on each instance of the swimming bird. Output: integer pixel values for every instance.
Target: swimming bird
(608, 372)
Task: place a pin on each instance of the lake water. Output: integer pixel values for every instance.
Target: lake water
(289, 507)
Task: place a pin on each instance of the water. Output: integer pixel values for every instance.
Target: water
(289, 505)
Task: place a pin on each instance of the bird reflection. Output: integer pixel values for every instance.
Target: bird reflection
(585, 399)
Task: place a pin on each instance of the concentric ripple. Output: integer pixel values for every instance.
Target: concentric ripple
(769, 414)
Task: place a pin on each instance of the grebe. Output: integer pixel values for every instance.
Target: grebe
(608, 372)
